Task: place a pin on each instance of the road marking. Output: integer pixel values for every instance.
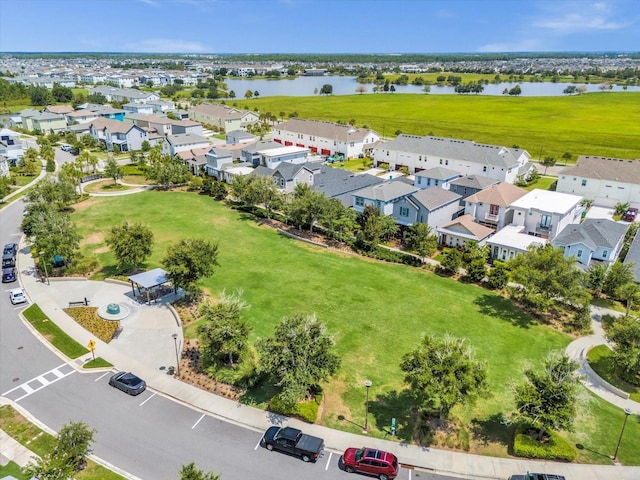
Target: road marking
(328, 461)
(29, 390)
(102, 376)
(258, 444)
(154, 394)
(409, 474)
(199, 420)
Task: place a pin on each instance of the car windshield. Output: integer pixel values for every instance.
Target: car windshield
(130, 379)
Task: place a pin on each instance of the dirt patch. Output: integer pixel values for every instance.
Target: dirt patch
(93, 238)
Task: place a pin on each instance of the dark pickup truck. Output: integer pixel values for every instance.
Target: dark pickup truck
(293, 441)
(536, 476)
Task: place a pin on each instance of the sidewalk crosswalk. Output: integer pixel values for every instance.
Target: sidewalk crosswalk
(38, 383)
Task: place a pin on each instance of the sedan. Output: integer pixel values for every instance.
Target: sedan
(370, 461)
(17, 295)
(8, 275)
(128, 383)
(10, 249)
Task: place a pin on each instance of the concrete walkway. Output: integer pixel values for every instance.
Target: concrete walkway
(12, 451)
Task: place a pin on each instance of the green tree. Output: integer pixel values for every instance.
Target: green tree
(547, 400)
(548, 161)
(97, 97)
(597, 275)
(498, 276)
(57, 192)
(306, 206)
(145, 146)
(326, 89)
(40, 96)
(544, 276)
(168, 171)
(54, 233)
(191, 472)
(248, 94)
(618, 275)
(112, 169)
(218, 191)
(375, 227)
(338, 220)
(5, 187)
(421, 240)
(630, 294)
(299, 356)
(190, 260)
(620, 208)
(223, 333)
(443, 373)
(61, 94)
(624, 334)
(451, 261)
(131, 244)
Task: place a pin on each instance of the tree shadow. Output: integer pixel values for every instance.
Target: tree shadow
(492, 430)
(396, 405)
(504, 309)
(260, 393)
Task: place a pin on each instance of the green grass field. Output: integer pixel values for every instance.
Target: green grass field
(54, 334)
(600, 360)
(604, 124)
(376, 311)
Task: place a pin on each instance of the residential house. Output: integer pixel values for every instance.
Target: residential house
(249, 153)
(81, 116)
(595, 239)
(182, 142)
(461, 230)
(606, 181)
(195, 159)
(633, 257)
(161, 106)
(492, 206)
(229, 171)
(287, 176)
(117, 136)
(186, 126)
(433, 206)
(512, 240)
(435, 177)
(240, 136)
(140, 108)
(324, 138)
(216, 159)
(225, 118)
(469, 185)
(383, 196)
(544, 213)
(340, 184)
(465, 157)
(59, 109)
(11, 146)
(272, 157)
(43, 122)
(115, 94)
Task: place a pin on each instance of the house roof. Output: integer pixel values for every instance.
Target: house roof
(178, 139)
(492, 155)
(240, 134)
(478, 182)
(289, 170)
(82, 113)
(512, 236)
(386, 191)
(432, 198)
(502, 194)
(259, 146)
(193, 153)
(612, 169)
(150, 278)
(633, 256)
(547, 201)
(318, 128)
(219, 111)
(114, 126)
(334, 182)
(130, 93)
(439, 173)
(276, 152)
(262, 170)
(60, 109)
(593, 232)
(466, 222)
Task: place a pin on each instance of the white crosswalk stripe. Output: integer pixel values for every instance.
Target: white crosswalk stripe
(38, 383)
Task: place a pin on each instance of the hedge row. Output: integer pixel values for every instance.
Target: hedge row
(556, 448)
(307, 411)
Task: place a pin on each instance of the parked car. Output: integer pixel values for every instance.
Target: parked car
(10, 249)
(536, 476)
(65, 147)
(630, 215)
(17, 296)
(8, 260)
(8, 275)
(293, 441)
(128, 383)
(370, 461)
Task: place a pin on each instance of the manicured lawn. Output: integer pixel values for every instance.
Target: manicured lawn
(590, 124)
(53, 333)
(12, 469)
(600, 360)
(376, 311)
(99, 362)
(543, 183)
(105, 186)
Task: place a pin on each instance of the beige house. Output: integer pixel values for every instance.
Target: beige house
(225, 118)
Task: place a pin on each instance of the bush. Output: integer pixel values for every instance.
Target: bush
(307, 411)
(556, 448)
(89, 319)
(393, 256)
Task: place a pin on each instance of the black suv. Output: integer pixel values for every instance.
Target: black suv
(10, 249)
(8, 260)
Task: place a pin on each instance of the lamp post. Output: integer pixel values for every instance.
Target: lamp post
(175, 343)
(627, 412)
(44, 264)
(367, 384)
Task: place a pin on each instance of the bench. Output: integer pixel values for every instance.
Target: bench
(81, 303)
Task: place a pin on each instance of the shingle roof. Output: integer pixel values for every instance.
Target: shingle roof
(613, 169)
(593, 232)
(61, 109)
(185, 139)
(633, 256)
(474, 181)
(219, 111)
(493, 155)
(386, 191)
(432, 198)
(439, 173)
(480, 232)
(114, 126)
(502, 194)
(343, 133)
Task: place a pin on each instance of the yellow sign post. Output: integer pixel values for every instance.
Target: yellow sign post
(92, 346)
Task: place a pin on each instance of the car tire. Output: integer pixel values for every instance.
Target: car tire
(306, 458)
(270, 447)
(383, 476)
(349, 469)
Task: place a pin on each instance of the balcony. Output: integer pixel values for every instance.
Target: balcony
(490, 217)
(544, 229)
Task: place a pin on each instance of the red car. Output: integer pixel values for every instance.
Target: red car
(630, 215)
(383, 465)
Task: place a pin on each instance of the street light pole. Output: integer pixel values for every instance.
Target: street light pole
(627, 412)
(44, 265)
(367, 384)
(175, 342)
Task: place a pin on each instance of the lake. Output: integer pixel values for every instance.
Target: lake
(305, 86)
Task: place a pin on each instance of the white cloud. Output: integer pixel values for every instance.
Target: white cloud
(529, 45)
(574, 17)
(166, 45)
(153, 3)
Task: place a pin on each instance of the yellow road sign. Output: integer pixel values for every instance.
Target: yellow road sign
(91, 345)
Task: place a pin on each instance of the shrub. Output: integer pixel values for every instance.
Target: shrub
(89, 319)
(307, 411)
(556, 448)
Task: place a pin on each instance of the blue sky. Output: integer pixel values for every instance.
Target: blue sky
(319, 26)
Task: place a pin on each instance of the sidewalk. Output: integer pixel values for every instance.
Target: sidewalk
(152, 357)
(12, 451)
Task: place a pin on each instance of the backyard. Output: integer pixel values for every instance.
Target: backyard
(376, 312)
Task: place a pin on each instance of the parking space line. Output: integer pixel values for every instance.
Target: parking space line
(328, 461)
(154, 394)
(199, 420)
(258, 444)
(102, 376)
(409, 474)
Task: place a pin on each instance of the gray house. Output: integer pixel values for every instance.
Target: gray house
(433, 206)
(633, 257)
(435, 177)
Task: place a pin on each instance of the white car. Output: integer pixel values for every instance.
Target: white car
(17, 295)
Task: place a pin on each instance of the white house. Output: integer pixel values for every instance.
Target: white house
(272, 157)
(11, 146)
(492, 206)
(216, 160)
(544, 213)
(606, 181)
(325, 138)
(459, 231)
(465, 157)
(597, 239)
(510, 241)
(182, 142)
